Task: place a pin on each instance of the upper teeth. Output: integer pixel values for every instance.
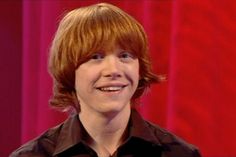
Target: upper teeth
(110, 88)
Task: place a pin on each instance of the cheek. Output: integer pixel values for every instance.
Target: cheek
(134, 71)
(78, 80)
(80, 75)
(137, 69)
(85, 77)
(137, 77)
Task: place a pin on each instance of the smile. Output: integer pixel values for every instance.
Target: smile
(111, 88)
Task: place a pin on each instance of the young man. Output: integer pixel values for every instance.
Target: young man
(100, 66)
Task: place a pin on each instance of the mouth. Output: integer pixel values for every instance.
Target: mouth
(111, 88)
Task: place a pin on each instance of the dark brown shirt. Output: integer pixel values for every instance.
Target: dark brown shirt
(145, 140)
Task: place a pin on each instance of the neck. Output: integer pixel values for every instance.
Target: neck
(110, 129)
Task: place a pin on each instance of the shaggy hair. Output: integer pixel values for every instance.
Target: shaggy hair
(84, 31)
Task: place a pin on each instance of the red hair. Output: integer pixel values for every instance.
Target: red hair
(82, 32)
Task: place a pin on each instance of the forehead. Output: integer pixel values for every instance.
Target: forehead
(109, 48)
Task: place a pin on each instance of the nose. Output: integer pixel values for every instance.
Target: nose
(112, 67)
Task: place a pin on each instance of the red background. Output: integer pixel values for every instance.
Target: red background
(192, 42)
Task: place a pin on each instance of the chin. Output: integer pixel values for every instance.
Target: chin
(114, 108)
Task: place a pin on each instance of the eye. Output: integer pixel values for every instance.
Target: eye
(126, 55)
(97, 56)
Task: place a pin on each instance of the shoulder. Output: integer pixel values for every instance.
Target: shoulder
(172, 144)
(41, 146)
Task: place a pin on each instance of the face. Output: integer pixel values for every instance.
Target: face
(107, 81)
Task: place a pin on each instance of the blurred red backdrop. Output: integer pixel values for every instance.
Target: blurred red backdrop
(192, 42)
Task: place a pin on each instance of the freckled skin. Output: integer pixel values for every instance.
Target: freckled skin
(113, 68)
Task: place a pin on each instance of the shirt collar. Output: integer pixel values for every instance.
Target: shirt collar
(139, 128)
(72, 132)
